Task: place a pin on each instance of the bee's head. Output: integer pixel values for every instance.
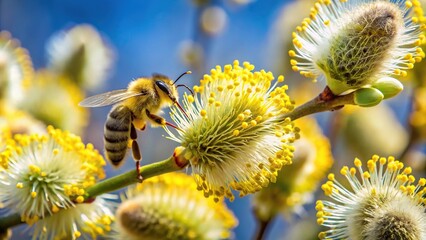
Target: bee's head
(168, 87)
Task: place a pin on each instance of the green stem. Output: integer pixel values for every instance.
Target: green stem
(169, 165)
(130, 177)
(318, 104)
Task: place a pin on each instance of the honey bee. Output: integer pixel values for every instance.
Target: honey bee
(134, 106)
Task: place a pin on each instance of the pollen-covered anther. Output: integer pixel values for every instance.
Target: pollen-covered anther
(257, 103)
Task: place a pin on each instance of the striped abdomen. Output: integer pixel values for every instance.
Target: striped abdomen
(116, 133)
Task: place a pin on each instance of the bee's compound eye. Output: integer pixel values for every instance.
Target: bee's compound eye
(163, 87)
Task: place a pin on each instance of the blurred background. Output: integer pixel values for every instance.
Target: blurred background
(136, 38)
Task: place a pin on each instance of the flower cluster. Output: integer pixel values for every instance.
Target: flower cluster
(236, 135)
(81, 55)
(170, 207)
(385, 203)
(355, 43)
(47, 174)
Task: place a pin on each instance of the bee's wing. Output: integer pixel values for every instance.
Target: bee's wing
(109, 98)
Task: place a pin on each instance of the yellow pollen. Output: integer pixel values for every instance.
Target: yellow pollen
(79, 199)
(411, 189)
(227, 68)
(408, 4)
(99, 230)
(322, 235)
(55, 209)
(415, 19)
(241, 117)
(371, 166)
(190, 99)
(33, 194)
(402, 178)
(422, 182)
(397, 72)
(55, 151)
(203, 113)
(292, 53)
(19, 185)
(357, 162)
(34, 169)
(81, 192)
(77, 234)
(244, 125)
(217, 103)
(253, 123)
(327, 22)
(319, 205)
(236, 133)
(280, 78)
(366, 175)
(407, 170)
(293, 62)
(344, 170)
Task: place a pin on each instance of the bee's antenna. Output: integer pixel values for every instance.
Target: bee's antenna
(187, 72)
(183, 85)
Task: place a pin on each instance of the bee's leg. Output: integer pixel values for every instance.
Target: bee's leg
(136, 151)
(159, 120)
(139, 175)
(139, 124)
